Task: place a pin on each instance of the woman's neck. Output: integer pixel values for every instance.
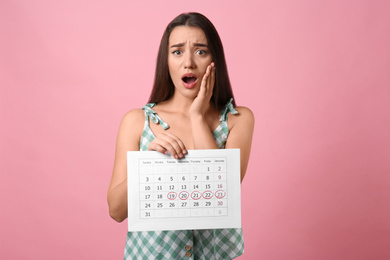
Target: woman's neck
(181, 104)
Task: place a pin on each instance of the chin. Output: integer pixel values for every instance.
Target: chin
(191, 93)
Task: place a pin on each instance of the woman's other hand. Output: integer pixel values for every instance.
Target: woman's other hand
(201, 102)
(167, 142)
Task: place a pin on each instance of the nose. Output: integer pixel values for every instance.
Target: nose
(189, 61)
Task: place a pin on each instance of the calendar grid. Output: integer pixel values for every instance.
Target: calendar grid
(200, 191)
(195, 187)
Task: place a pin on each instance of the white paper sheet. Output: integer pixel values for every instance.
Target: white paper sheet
(200, 191)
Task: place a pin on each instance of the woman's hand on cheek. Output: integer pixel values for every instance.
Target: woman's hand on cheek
(168, 143)
(200, 103)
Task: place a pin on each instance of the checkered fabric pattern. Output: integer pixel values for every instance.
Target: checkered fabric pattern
(221, 133)
(209, 244)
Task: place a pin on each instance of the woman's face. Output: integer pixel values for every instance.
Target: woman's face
(188, 58)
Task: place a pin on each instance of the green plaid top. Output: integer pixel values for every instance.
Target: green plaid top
(210, 244)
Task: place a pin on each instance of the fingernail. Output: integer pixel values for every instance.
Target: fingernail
(181, 155)
(175, 156)
(184, 151)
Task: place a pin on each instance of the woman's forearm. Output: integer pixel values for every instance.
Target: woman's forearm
(201, 133)
(117, 202)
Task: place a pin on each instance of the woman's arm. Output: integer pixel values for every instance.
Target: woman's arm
(241, 127)
(201, 132)
(128, 139)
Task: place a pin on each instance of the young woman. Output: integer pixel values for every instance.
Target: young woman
(191, 107)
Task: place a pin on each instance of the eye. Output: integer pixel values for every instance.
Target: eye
(177, 52)
(201, 52)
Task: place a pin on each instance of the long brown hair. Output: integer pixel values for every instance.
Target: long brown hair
(163, 87)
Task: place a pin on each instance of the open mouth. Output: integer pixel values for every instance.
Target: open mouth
(189, 80)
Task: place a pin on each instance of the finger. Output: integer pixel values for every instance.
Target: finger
(212, 78)
(209, 80)
(179, 142)
(175, 145)
(158, 148)
(203, 86)
(170, 143)
(164, 147)
(172, 147)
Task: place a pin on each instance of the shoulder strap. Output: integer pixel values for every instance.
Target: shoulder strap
(149, 112)
(225, 113)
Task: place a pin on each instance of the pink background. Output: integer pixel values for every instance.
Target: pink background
(316, 74)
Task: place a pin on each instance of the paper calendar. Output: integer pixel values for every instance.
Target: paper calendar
(199, 191)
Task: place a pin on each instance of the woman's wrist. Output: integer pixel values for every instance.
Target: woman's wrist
(197, 118)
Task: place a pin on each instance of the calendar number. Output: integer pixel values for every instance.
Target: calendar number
(196, 195)
(183, 195)
(172, 195)
(220, 194)
(207, 195)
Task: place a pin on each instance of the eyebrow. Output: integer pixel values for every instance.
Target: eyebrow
(195, 44)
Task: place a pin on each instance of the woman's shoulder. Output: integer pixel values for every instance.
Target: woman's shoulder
(244, 112)
(134, 117)
(244, 116)
(134, 114)
(130, 129)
